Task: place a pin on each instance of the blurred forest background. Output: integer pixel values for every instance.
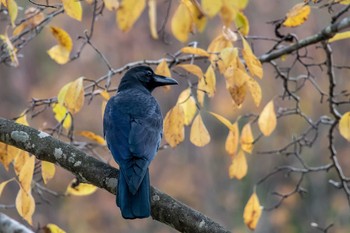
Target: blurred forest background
(196, 176)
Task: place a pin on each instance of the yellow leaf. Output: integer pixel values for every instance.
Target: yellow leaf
(3, 184)
(297, 15)
(228, 12)
(227, 57)
(111, 5)
(3, 2)
(193, 69)
(181, 23)
(188, 104)
(52, 228)
(211, 7)
(103, 107)
(71, 95)
(242, 23)
(247, 139)
(223, 120)
(20, 160)
(252, 212)
(238, 168)
(5, 157)
(208, 83)
(60, 52)
(128, 12)
(152, 13)
(34, 17)
(62, 113)
(92, 136)
(253, 63)
(197, 15)
(105, 95)
(217, 45)
(82, 189)
(25, 205)
(22, 119)
(163, 69)
(229, 34)
(344, 2)
(200, 95)
(10, 49)
(196, 51)
(236, 83)
(238, 93)
(47, 171)
(232, 140)
(199, 133)
(344, 126)
(13, 11)
(239, 4)
(340, 36)
(26, 174)
(174, 131)
(255, 91)
(73, 9)
(267, 120)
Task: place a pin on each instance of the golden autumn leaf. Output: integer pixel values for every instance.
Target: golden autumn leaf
(267, 120)
(252, 212)
(60, 52)
(196, 51)
(174, 131)
(340, 36)
(25, 205)
(48, 171)
(297, 15)
(193, 69)
(73, 9)
(255, 91)
(82, 189)
(152, 13)
(94, 137)
(181, 23)
(232, 140)
(227, 57)
(163, 69)
(61, 114)
(238, 168)
(34, 17)
(223, 120)
(105, 95)
(242, 23)
(344, 126)
(72, 96)
(3, 184)
(12, 10)
(111, 5)
(208, 83)
(240, 4)
(197, 15)
(20, 159)
(247, 138)
(344, 2)
(26, 173)
(211, 7)
(228, 12)
(200, 95)
(253, 63)
(238, 93)
(5, 158)
(128, 12)
(10, 49)
(188, 104)
(199, 134)
(52, 228)
(217, 45)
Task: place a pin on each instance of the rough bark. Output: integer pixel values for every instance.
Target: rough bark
(9, 225)
(88, 169)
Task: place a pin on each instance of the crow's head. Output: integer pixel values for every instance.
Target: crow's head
(143, 76)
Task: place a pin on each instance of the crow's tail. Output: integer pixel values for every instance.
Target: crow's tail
(134, 205)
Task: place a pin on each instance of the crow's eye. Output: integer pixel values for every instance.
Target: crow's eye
(149, 73)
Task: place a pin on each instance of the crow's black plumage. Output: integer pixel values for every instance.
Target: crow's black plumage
(132, 127)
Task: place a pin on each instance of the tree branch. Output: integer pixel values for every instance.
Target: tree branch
(164, 208)
(8, 225)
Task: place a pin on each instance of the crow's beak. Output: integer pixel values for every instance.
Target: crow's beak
(163, 81)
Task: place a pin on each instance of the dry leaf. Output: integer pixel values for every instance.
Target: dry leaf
(255, 91)
(267, 120)
(340, 36)
(26, 173)
(60, 52)
(3, 184)
(82, 189)
(232, 140)
(253, 63)
(111, 5)
(52, 228)
(223, 120)
(181, 23)
(238, 168)
(25, 205)
(94, 137)
(199, 133)
(297, 15)
(61, 113)
(252, 212)
(128, 12)
(71, 95)
(48, 171)
(174, 131)
(242, 23)
(152, 13)
(211, 7)
(196, 51)
(193, 69)
(163, 69)
(73, 9)
(247, 139)
(344, 126)
(188, 104)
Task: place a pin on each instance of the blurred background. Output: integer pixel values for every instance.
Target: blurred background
(196, 176)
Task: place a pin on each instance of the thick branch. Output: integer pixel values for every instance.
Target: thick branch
(9, 225)
(164, 208)
(325, 34)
